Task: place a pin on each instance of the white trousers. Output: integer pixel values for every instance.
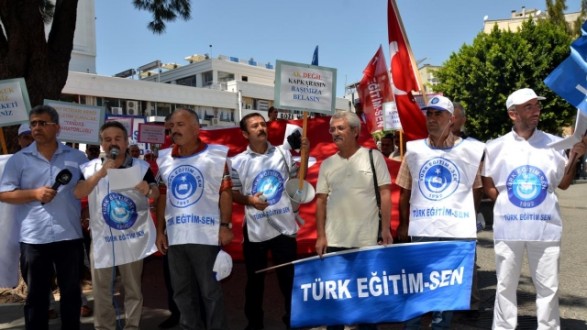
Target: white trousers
(543, 259)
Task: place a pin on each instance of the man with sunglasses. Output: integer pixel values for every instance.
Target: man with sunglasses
(51, 233)
(521, 174)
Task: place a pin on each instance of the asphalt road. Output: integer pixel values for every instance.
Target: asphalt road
(573, 290)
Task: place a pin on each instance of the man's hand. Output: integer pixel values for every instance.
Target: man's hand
(143, 187)
(258, 202)
(386, 237)
(45, 194)
(225, 235)
(161, 242)
(321, 245)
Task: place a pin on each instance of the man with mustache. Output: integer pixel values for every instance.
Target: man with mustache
(194, 219)
(521, 174)
(115, 215)
(259, 175)
(347, 215)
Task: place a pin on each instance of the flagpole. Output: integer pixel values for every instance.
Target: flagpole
(409, 49)
(332, 254)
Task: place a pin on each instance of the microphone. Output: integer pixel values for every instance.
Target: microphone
(63, 177)
(114, 152)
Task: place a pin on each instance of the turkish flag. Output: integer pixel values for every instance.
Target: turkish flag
(403, 76)
(321, 147)
(374, 90)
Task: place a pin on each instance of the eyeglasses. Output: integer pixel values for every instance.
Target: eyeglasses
(40, 123)
(333, 129)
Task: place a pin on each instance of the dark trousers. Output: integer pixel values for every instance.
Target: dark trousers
(283, 250)
(37, 262)
(170, 302)
(194, 284)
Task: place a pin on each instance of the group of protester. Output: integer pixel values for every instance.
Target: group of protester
(197, 184)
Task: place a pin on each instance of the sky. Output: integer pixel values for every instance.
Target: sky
(348, 32)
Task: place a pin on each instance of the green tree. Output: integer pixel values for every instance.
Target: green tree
(483, 74)
(556, 13)
(25, 51)
(581, 19)
(42, 61)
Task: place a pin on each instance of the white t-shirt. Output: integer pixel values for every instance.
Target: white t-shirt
(352, 218)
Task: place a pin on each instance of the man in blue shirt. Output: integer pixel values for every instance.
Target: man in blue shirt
(50, 235)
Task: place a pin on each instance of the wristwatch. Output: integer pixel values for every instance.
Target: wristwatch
(226, 224)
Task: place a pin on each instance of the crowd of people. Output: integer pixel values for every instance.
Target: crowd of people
(193, 186)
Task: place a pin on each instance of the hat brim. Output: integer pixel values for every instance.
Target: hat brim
(434, 107)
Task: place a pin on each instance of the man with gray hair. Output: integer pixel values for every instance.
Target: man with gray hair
(347, 215)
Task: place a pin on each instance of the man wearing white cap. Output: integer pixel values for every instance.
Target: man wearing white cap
(440, 158)
(25, 138)
(521, 174)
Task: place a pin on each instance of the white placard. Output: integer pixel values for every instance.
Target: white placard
(79, 123)
(305, 87)
(151, 133)
(391, 116)
(14, 102)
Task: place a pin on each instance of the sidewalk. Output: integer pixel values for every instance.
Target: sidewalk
(573, 288)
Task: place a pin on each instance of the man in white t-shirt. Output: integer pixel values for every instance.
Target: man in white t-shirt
(521, 174)
(347, 215)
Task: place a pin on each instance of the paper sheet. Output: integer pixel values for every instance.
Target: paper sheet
(124, 178)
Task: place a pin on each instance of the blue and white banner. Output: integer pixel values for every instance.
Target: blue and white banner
(569, 79)
(382, 284)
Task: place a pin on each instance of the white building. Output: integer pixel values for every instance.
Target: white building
(221, 90)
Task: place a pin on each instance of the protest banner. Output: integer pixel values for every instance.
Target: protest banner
(151, 133)
(305, 87)
(382, 284)
(14, 102)
(79, 123)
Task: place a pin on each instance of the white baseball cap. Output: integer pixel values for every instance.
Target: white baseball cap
(222, 265)
(440, 103)
(24, 129)
(522, 96)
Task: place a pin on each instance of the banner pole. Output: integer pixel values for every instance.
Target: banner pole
(304, 154)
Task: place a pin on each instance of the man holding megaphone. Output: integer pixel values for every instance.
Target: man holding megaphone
(259, 176)
(40, 180)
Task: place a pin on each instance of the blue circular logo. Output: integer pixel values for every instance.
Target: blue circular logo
(527, 186)
(438, 179)
(270, 183)
(119, 211)
(186, 186)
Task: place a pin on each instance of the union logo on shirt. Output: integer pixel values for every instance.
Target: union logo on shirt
(186, 186)
(119, 211)
(270, 183)
(527, 186)
(438, 179)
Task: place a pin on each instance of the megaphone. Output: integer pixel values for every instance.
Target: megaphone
(300, 196)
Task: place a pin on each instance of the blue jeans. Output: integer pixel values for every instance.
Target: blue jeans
(193, 281)
(37, 265)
